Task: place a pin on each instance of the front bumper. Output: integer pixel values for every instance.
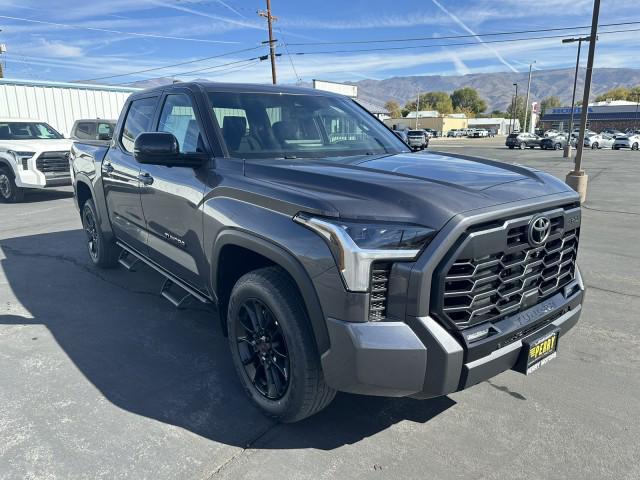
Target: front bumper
(422, 359)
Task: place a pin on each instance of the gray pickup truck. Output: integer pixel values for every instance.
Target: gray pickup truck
(337, 259)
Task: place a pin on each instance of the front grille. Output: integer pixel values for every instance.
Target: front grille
(479, 285)
(378, 294)
(53, 162)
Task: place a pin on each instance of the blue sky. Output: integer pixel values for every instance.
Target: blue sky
(87, 39)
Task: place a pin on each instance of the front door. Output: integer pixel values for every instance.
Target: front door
(120, 176)
(172, 197)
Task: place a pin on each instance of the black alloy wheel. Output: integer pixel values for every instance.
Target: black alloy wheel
(262, 349)
(91, 230)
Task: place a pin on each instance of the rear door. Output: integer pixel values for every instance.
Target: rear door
(120, 174)
(172, 196)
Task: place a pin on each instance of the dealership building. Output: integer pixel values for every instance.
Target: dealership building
(618, 114)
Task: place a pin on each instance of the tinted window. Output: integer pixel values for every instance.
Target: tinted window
(84, 130)
(276, 125)
(177, 117)
(105, 131)
(27, 131)
(138, 120)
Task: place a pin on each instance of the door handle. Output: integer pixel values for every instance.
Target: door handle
(145, 178)
(108, 168)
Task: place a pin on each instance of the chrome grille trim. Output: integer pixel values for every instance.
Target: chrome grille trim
(494, 272)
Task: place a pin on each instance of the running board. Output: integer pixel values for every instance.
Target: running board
(128, 260)
(171, 284)
(173, 292)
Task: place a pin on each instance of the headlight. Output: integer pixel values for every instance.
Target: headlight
(356, 245)
(19, 156)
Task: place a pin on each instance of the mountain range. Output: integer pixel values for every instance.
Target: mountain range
(496, 88)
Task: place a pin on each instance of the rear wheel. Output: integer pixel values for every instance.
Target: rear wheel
(511, 147)
(557, 146)
(634, 146)
(273, 347)
(522, 146)
(594, 146)
(103, 253)
(9, 191)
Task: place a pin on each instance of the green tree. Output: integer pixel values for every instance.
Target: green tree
(618, 93)
(440, 101)
(550, 102)
(519, 109)
(394, 108)
(467, 100)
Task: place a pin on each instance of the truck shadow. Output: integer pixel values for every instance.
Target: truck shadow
(33, 196)
(169, 365)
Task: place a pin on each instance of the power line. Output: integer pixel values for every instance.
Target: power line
(286, 49)
(215, 66)
(118, 32)
(172, 65)
(406, 47)
(451, 37)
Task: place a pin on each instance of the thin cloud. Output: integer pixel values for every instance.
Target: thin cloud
(462, 24)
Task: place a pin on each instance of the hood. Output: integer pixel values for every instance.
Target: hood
(426, 189)
(40, 145)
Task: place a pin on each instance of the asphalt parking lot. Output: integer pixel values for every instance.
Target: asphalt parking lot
(101, 378)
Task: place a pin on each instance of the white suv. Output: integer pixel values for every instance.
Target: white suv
(32, 155)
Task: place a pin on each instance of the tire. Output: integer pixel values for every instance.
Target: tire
(615, 148)
(9, 191)
(103, 253)
(634, 146)
(522, 146)
(594, 146)
(278, 313)
(511, 147)
(557, 146)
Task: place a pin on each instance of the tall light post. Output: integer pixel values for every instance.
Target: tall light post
(635, 118)
(567, 148)
(417, 108)
(526, 105)
(514, 111)
(577, 178)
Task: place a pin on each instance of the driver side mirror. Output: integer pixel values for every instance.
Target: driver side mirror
(162, 148)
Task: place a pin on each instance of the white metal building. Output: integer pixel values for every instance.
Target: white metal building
(60, 104)
(502, 126)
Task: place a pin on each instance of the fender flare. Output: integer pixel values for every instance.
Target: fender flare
(7, 163)
(99, 202)
(289, 263)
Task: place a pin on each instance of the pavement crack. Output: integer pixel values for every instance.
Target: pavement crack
(75, 263)
(235, 457)
(631, 295)
(622, 212)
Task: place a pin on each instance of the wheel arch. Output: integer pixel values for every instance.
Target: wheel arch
(237, 252)
(84, 189)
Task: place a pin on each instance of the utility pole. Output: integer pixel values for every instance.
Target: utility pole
(567, 148)
(272, 42)
(526, 106)
(3, 49)
(635, 119)
(417, 108)
(578, 179)
(514, 109)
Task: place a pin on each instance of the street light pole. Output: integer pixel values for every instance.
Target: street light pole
(515, 107)
(635, 119)
(526, 106)
(578, 179)
(567, 148)
(417, 108)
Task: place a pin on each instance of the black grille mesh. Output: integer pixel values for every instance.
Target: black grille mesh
(378, 294)
(53, 162)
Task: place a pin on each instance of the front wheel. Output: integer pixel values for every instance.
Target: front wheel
(594, 146)
(522, 146)
(103, 253)
(273, 347)
(634, 146)
(557, 146)
(9, 191)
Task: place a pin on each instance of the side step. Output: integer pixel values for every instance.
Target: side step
(173, 289)
(127, 260)
(173, 292)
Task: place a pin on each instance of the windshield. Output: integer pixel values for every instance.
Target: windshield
(276, 125)
(27, 131)
(416, 132)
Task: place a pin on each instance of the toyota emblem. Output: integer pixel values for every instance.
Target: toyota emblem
(539, 230)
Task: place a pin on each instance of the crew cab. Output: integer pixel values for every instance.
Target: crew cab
(337, 259)
(33, 155)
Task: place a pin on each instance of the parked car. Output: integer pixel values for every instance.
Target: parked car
(599, 141)
(417, 139)
(433, 133)
(297, 239)
(477, 133)
(551, 133)
(626, 141)
(611, 131)
(455, 132)
(33, 155)
(93, 129)
(402, 135)
(556, 142)
(523, 140)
